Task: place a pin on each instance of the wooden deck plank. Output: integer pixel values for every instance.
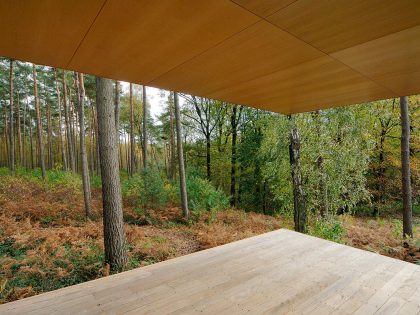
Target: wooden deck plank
(281, 272)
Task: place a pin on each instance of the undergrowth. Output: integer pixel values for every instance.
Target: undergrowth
(47, 243)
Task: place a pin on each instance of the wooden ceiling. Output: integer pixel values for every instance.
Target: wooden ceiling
(286, 56)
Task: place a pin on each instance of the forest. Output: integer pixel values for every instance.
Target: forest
(201, 174)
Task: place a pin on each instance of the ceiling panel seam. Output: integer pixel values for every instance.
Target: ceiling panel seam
(333, 58)
(282, 8)
(87, 32)
(204, 51)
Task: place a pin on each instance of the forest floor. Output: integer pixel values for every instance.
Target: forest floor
(46, 242)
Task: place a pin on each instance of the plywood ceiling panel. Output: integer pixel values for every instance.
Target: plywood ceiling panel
(47, 31)
(283, 55)
(305, 87)
(257, 51)
(392, 61)
(339, 24)
(137, 40)
(263, 8)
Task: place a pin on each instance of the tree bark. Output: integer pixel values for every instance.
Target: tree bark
(145, 115)
(11, 131)
(83, 155)
(39, 127)
(182, 177)
(208, 155)
(117, 115)
(117, 106)
(114, 236)
(132, 142)
(49, 136)
(19, 133)
(31, 141)
(68, 128)
(6, 135)
(234, 120)
(60, 130)
(299, 198)
(25, 106)
(172, 157)
(405, 168)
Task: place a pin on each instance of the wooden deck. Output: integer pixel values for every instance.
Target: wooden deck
(279, 272)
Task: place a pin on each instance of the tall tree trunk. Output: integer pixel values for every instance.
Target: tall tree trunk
(172, 167)
(49, 136)
(182, 177)
(117, 114)
(208, 155)
(145, 115)
(68, 128)
(25, 106)
(91, 131)
(405, 168)
(11, 132)
(6, 135)
(233, 124)
(114, 236)
(117, 105)
(31, 141)
(83, 155)
(299, 198)
(39, 127)
(132, 143)
(60, 123)
(72, 131)
(19, 133)
(95, 120)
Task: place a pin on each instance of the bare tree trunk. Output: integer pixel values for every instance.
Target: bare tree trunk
(60, 123)
(132, 143)
(117, 105)
(31, 141)
(182, 177)
(39, 127)
(117, 114)
(6, 135)
(49, 135)
(68, 128)
(72, 131)
(11, 132)
(19, 130)
(145, 115)
(84, 162)
(24, 134)
(405, 168)
(91, 132)
(172, 168)
(97, 157)
(299, 198)
(234, 120)
(208, 155)
(114, 236)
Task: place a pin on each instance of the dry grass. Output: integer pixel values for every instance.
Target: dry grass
(382, 236)
(46, 243)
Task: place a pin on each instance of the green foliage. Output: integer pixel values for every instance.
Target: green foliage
(7, 247)
(203, 196)
(398, 228)
(329, 229)
(154, 194)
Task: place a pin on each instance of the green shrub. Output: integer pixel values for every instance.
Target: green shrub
(203, 196)
(146, 189)
(329, 229)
